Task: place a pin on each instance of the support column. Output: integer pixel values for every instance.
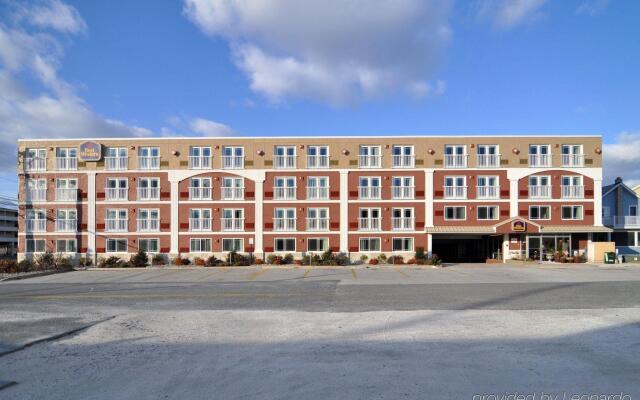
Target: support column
(91, 216)
(429, 245)
(259, 217)
(597, 202)
(513, 197)
(428, 200)
(175, 220)
(506, 255)
(344, 211)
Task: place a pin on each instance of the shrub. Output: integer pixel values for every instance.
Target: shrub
(63, 263)
(258, 261)
(8, 267)
(212, 261)
(235, 259)
(181, 261)
(199, 262)
(297, 262)
(139, 260)
(420, 254)
(411, 261)
(111, 262)
(434, 260)
(46, 261)
(342, 259)
(395, 260)
(288, 258)
(373, 261)
(85, 262)
(382, 258)
(271, 258)
(25, 266)
(158, 259)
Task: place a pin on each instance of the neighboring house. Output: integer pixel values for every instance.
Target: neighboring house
(637, 189)
(620, 206)
(8, 232)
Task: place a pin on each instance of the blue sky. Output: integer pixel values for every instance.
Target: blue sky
(285, 67)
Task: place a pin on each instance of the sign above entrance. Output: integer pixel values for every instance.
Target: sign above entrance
(90, 151)
(518, 226)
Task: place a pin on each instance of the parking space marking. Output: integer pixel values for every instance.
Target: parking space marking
(401, 272)
(254, 275)
(306, 273)
(353, 272)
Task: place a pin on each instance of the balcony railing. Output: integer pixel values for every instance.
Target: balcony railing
(403, 161)
(35, 225)
(403, 192)
(369, 224)
(35, 195)
(369, 192)
(539, 160)
(149, 193)
(284, 224)
(199, 193)
(232, 162)
(626, 221)
(403, 223)
(488, 192)
(488, 161)
(63, 194)
(32, 164)
(116, 163)
(572, 192)
(317, 193)
(455, 161)
(148, 225)
(116, 225)
(572, 160)
(200, 162)
(539, 192)
(455, 192)
(284, 193)
(232, 193)
(317, 161)
(66, 225)
(284, 162)
(317, 224)
(232, 224)
(148, 162)
(66, 163)
(199, 224)
(117, 194)
(370, 161)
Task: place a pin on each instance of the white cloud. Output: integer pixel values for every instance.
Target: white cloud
(207, 127)
(53, 14)
(622, 158)
(506, 14)
(592, 7)
(337, 51)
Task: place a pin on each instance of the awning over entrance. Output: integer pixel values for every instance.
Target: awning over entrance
(518, 225)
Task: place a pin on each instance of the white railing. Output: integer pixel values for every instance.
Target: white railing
(403, 192)
(317, 193)
(284, 193)
(626, 221)
(488, 161)
(148, 224)
(116, 163)
(539, 192)
(35, 225)
(455, 192)
(66, 225)
(369, 192)
(63, 194)
(317, 224)
(232, 162)
(488, 192)
(284, 162)
(572, 160)
(199, 224)
(149, 162)
(539, 160)
(199, 193)
(66, 163)
(149, 193)
(232, 224)
(117, 194)
(317, 161)
(232, 193)
(455, 161)
(199, 162)
(116, 225)
(284, 224)
(403, 161)
(403, 223)
(36, 195)
(35, 164)
(369, 224)
(370, 161)
(572, 192)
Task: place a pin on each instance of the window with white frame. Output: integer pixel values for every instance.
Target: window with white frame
(455, 156)
(402, 188)
(36, 220)
(488, 156)
(572, 212)
(119, 245)
(148, 157)
(148, 188)
(317, 244)
(200, 245)
(66, 246)
(633, 211)
(116, 220)
(117, 189)
(402, 219)
(116, 159)
(35, 160)
(369, 156)
(200, 189)
(200, 157)
(284, 244)
(149, 245)
(232, 244)
(148, 220)
(284, 188)
(539, 212)
(369, 244)
(402, 244)
(317, 219)
(36, 189)
(402, 156)
(284, 157)
(369, 219)
(572, 155)
(539, 155)
(455, 187)
(572, 187)
(66, 158)
(317, 156)
(35, 246)
(200, 219)
(284, 219)
(488, 187)
(232, 189)
(66, 189)
(488, 212)
(455, 213)
(318, 188)
(539, 187)
(232, 157)
(369, 188)
(66, 220)
(232, 219)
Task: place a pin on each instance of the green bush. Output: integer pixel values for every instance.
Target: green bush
(46, 261)
(25, 266)
(63, 263)
(158, 259)
(85, 262)
(112, 262)
(235, 259)
(420, 254)
(382, 258)
(139, 260)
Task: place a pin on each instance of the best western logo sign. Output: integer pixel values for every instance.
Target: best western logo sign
(90, 151)
(518, 226)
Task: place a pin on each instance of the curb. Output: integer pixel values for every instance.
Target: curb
(35, 275)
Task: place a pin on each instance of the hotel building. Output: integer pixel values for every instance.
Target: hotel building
(467, 198)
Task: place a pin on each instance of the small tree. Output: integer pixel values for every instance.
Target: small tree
(139, 260)
(46, 261)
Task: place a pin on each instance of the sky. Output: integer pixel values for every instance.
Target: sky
(320, 67)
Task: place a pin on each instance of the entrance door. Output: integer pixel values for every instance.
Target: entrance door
(533, 247)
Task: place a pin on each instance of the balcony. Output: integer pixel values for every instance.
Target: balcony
(455, 192)
(149, 193)
(284, 193)
(32, 195)
(403, 161)
(232, 193)
(117, 194)
(35, 225)
(284, 162)
(148, 162)
(66, 163)
(284, 224)
(369, 224)
(200, 162)
(488, 192)
(539, 192)
(232, 162)
(622, 222)
(403, 224)
(317, 193)
(488, 161)
(63, 194)
(572, 192)
(317, 224)
(403, 192)
(199, 193)
(573, 160)
(369, 192)
(34, 164)
(116, 225)
(200, 224)
(317, 161)
(148, 225)
(370, 161)
(539, 160)
(66, 225)
(116, 163)
(455, 161)
(232, 224)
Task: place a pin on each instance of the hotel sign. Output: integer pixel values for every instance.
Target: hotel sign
(90, 151)
(518, 226)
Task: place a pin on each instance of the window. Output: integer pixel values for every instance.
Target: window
(455, 156)
(488, 212)
(232, 157)
(572, 155)
(200, 219)
(66, 189)
(117, 245)
(402, 156)
(284, 219)
(232, 219)
(35, 245)
(455, 213)
(116, 159)
(66, 158)
(66, 246)
(36, 189)
(318, 188)
(369, 156)
(317, 219)
(117, 189)
(200, 189)
(539, 212)
(117, 220)
(232, 189)
(149, 158)
(199, 157)
(317, 156)
(488, 156)
(571, 212)
(633, 211)
(539, 155)
(35, 160)
(455, 187)
(232, 244)
(66, 220)
(572, 187)
(402, 219)
(402, 187)
(369, 187)
(149, 245)
(488, 187)
(402, 244)
(281, 244)
(36, 220)
(369, 219)
(148, 219)
(369, 244)
(539, 186)
(318, 244)
(285, 188)
(200, 245)
(148, 189)
(285, 157)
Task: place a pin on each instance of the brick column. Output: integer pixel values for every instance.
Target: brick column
(344, 211)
